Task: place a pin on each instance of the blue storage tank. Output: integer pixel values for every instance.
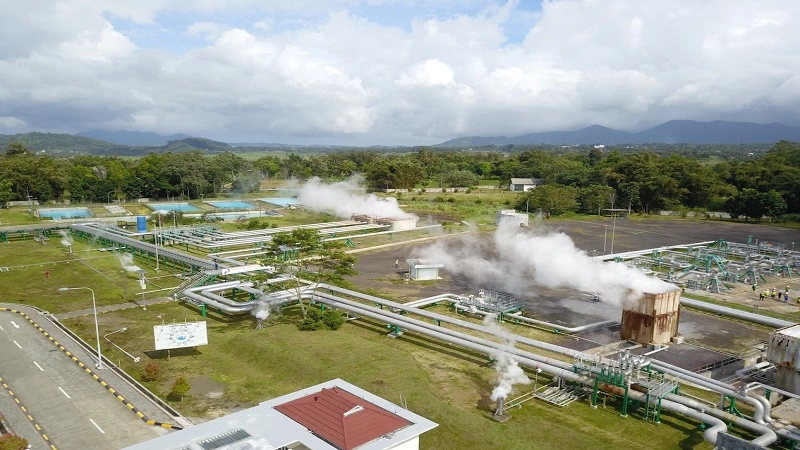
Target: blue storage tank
(141, 224)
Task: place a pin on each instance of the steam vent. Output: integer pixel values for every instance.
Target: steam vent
(653, 319)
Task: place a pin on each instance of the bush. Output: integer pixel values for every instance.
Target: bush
(13, 442)
(333, 319)
(451, 200)
(152, 372)
(180, 387)
(317, 320)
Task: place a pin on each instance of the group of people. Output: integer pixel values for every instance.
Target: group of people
(775, 294)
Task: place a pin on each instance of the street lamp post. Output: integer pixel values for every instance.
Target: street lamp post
(121, 330)
(96, 326)
(108, 197)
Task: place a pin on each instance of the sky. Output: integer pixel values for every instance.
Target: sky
(392, 72)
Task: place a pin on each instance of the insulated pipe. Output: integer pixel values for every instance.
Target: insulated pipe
(446, 334)
(714, 385)
(468, 325)
(223, 307)
(488, 347)
(430, 300)
(767, 435)
(739, 314)
(760, 404)
(578, 329)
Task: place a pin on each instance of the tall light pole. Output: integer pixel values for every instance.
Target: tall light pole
(108, 197)
(613, 230)
(96, 327)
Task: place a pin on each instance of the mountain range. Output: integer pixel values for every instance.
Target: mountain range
(133, 138)
(672, 132)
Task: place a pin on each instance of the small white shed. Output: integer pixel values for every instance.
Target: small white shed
(421, 269)
(509, 214)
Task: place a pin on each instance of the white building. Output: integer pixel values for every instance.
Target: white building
(420, 269)
(509, 214)
(334, 415)
(525, 184)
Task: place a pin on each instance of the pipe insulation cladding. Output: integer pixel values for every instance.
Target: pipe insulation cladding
(317, 292)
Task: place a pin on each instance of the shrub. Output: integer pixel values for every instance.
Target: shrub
(13, 442)
(180, 387)
(333, 319)
(152, 372)
(451, 200)
(422, 191)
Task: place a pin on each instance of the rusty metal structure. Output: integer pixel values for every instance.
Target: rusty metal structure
(653, 319)
(783, 350)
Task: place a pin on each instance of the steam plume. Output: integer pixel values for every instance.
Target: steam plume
(521, 257)
(346, 198)
(261, 313)
(508, 370)
(66, 239)
(126, 260)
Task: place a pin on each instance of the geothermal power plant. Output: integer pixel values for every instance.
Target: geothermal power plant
(620, 326)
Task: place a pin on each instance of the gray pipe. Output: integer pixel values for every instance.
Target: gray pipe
(767, 435)
(739, 314)
(552, 367)
(714, 385)
(547, 366)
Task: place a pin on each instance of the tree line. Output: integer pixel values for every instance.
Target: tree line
(750, 186)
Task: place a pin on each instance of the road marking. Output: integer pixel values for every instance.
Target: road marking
(37, 365)
(2, 329)
(17, 344)
(97, 426)
(63, 392)
(15, 325)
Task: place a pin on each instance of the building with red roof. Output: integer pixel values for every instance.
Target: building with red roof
(334, 415)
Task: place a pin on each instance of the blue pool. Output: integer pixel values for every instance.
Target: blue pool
(280, 201)
(181, 207)
(233, 204)
(64, 213)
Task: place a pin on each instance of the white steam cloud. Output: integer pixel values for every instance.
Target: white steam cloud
(346, 198)
(66, 239)
(520, 257)
(126, 260)
(261, 313)
(508, 370)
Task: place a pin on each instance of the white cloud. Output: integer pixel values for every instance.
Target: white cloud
(340, 71)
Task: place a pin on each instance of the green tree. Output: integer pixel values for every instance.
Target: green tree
(180, 387)
(16, 148)
(556, 200)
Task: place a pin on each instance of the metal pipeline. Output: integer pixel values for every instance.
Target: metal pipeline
(767, 435)
(554, 368)
(578, 329)
(760, 405)
(739, 314)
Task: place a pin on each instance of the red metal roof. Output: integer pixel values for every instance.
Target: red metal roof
(341, 418)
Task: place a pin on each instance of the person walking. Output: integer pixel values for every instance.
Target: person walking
(761, 296)
(396, 263)
(786, 297)
(773, 293)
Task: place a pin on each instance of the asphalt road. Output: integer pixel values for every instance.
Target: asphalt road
(69, 406)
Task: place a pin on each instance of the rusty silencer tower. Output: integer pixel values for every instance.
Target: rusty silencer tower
(653, 319)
